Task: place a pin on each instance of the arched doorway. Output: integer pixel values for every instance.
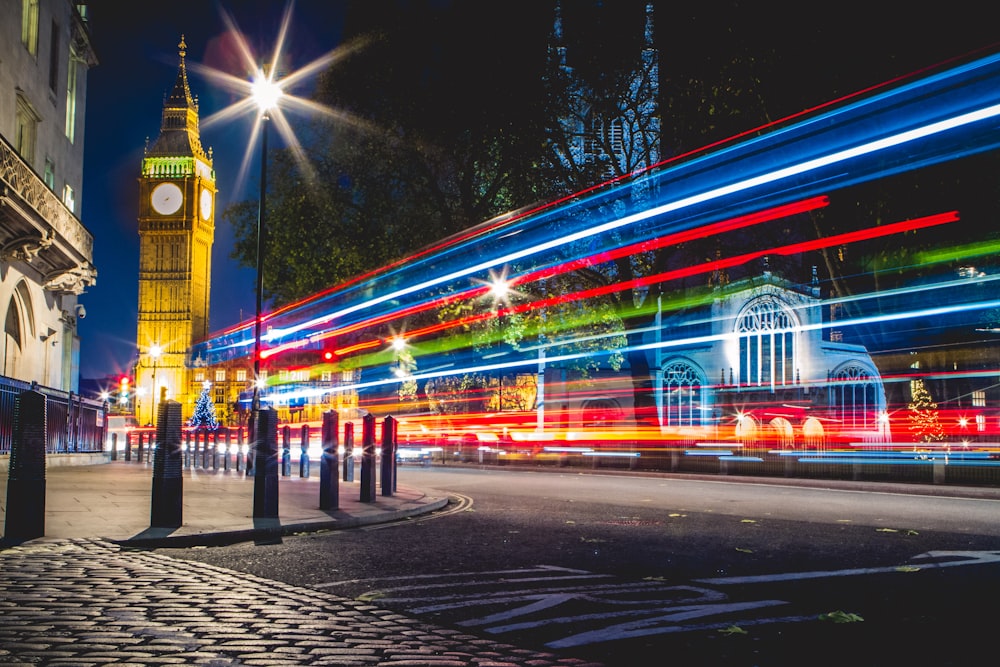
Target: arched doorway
(813, 434)
(781, 434)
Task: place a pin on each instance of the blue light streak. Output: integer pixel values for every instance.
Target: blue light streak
(946, 116)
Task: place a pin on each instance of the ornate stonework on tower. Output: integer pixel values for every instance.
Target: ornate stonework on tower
(176, 231)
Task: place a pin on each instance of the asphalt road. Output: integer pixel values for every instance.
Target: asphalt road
(665, 570)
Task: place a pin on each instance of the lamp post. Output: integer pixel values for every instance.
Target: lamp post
(265, 93)
(154, 351)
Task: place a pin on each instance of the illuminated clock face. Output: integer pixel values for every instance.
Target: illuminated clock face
(206, 204)
(167, 198)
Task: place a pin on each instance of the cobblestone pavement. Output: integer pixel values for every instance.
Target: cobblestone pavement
(90, 602)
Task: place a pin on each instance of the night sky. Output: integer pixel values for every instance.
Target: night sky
(821, 51)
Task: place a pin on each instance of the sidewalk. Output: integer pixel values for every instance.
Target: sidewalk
(112, 501)
(81, 596)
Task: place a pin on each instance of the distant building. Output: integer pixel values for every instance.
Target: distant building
(176, 231)
(46, 254)
(751, 366)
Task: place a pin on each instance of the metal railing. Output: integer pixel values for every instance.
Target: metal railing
(73, 423)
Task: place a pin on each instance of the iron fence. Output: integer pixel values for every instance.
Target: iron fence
(73, 423)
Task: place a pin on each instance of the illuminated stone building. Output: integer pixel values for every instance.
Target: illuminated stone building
(176, 230)
(46, 254)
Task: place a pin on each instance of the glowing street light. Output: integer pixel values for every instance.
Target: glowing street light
(270, 99)
(265, 93)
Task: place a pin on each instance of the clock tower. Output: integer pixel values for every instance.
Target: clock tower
(176, 231)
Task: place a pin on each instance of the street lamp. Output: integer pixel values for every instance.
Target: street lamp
(154, 351)
(265, 93)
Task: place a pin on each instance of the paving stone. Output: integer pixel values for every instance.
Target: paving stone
(91, 603)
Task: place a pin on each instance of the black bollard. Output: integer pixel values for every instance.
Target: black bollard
(304, 449)
(368, 459)
(239, 449)
(208, 451)
(349, 452)
(215, 449)
(265, 483)
(388, 456)
(114, 446)
(329, 489)
(286, 452)
(139, 450)
(167, 508)
(251, 440)
(26, 474)
(128, 445)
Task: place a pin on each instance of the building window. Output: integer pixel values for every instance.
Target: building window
(50, 174)
(26, 128)
(71, 83)
(681, 395)
(54, 58)
(220, 395)
(326, 376)
(241, 375)
(601, 412)
(29, 25)
(980, 423)
(220, 375)
(12, 339)
(767, 344)
(69, 198)
(199, 376)
(854, 397)
(979, 399)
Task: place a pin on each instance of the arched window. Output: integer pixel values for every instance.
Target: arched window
(601, 412)
(767, 344)
(12, 339)
(854, 396)
(681, 395)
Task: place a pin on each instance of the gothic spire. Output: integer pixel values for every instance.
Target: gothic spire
(180, 135)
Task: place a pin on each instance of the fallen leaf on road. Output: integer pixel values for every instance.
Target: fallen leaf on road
(840, 617)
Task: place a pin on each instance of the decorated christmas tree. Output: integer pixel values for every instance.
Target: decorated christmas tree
(924, 423)
(204, 411)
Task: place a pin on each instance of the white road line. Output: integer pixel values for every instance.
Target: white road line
(961, 558)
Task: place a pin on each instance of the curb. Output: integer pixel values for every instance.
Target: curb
(269, 529)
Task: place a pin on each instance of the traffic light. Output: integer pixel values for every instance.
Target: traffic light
(123, 387)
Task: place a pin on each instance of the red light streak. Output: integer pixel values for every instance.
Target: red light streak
(360, 346)
(720, 227)
(795, 248)
(727, 225)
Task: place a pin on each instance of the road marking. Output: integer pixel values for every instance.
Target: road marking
(461, 504)
(961, 558)
(444, 575)
(596, 611)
